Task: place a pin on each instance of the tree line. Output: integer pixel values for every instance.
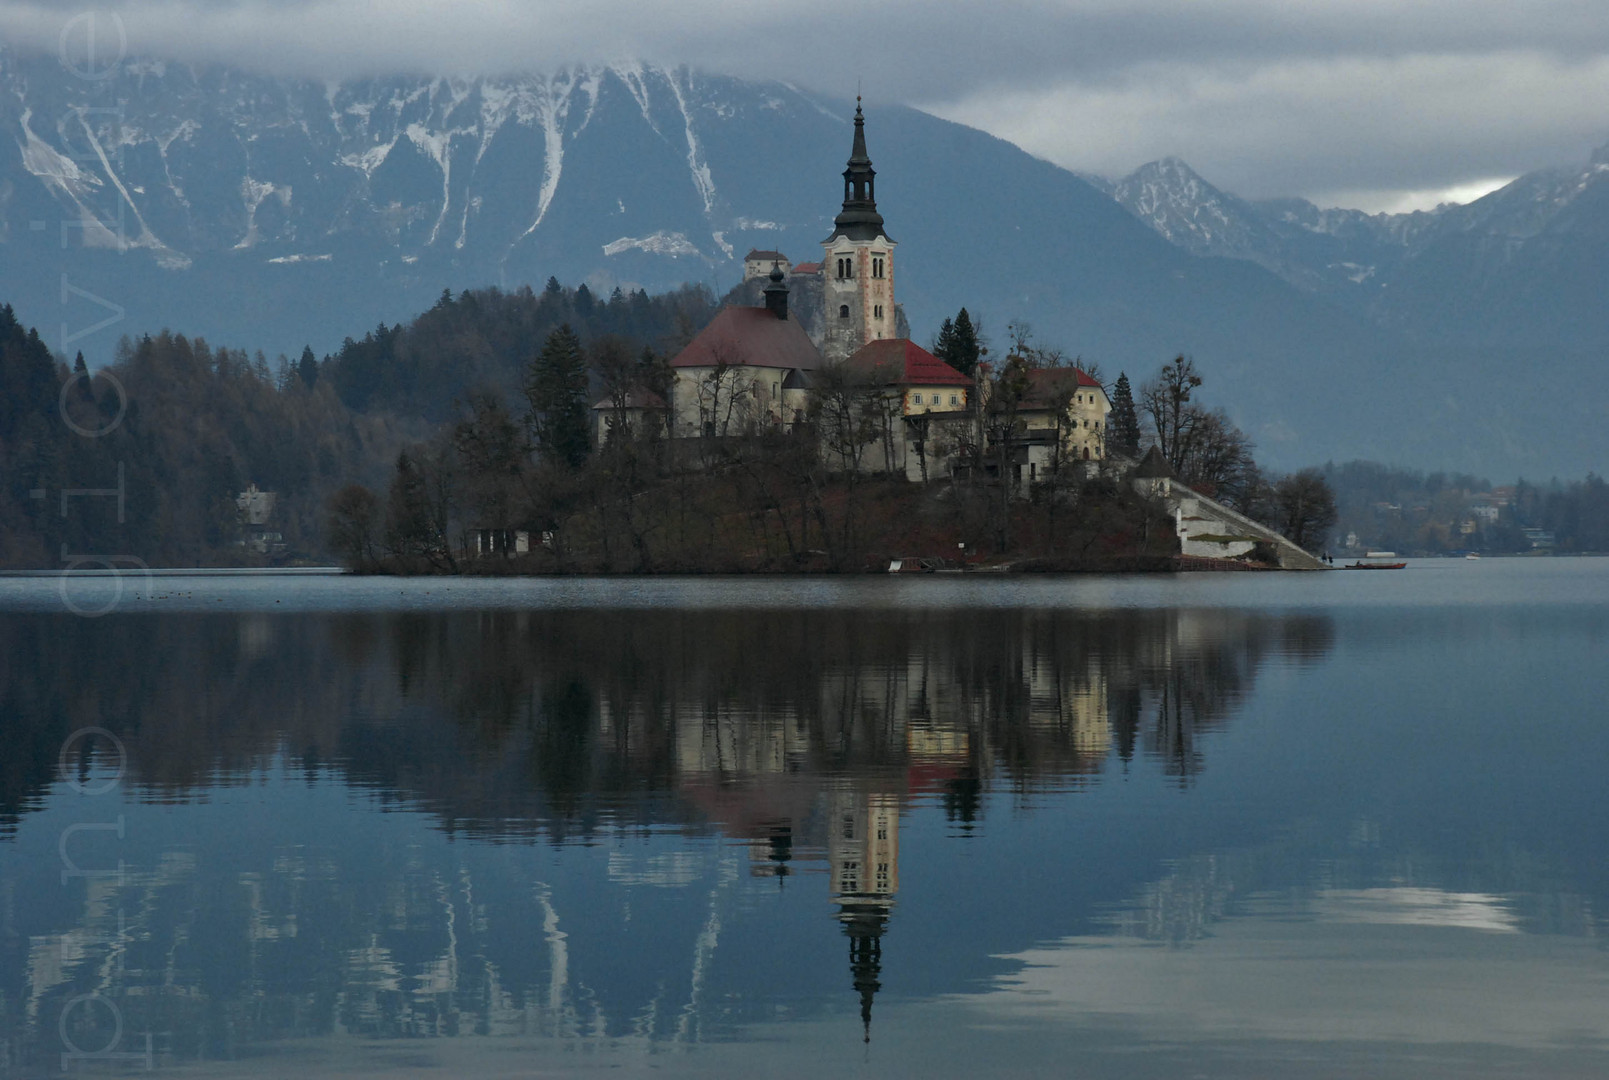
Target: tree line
(481, 341)
(1415, 512)
(142, 462)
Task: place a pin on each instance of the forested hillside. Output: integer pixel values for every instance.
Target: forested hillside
(142, 463)
(483, 341)
(181, 428)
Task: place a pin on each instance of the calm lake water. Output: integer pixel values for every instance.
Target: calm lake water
(1211, 825)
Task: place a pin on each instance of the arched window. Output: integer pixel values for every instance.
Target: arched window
(843, 311)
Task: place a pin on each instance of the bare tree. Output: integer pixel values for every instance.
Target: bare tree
(353, 518)
(1166, 403)
(419, 507)
(1204, 447)
(846, 421)
(620, 374)
(1306, 508)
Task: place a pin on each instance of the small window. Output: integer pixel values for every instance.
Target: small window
(877, 311)
(916, 399)
(843, 311)
(954, 400)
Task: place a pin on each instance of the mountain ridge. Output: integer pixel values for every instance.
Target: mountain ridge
(265, 213)
(1437, 275)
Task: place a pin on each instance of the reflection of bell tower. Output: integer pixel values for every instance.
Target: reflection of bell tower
(863, 858)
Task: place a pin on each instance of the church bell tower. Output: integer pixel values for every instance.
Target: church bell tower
(857, 266)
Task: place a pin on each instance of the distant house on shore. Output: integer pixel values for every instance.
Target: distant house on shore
(256, 512)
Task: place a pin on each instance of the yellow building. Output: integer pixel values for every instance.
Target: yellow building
(1068, 402)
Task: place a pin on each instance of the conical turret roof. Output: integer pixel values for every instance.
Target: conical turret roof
(859, 219)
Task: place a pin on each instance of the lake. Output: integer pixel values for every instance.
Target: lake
(1296, 825)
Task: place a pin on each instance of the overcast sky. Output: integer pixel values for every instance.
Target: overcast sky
(1383, 104)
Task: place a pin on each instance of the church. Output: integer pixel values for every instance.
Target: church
(754, 368)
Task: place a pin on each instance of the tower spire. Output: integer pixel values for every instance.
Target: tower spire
(859, 219)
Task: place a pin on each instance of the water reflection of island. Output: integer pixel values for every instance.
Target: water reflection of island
(804, 736)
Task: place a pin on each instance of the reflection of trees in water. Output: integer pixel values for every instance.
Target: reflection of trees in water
(513, 723)
(511, 720)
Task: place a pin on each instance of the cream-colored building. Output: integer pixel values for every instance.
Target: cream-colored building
(734, 377)
(1068, 402)
(757, 264)
(863, 846)
(638, 413)
(914, 407)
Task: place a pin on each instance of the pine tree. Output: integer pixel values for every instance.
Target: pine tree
(556, 388)
(968, 349)
(86, 388)
(583, 301)
(944, 342)
(1123, 424)
(307, 367)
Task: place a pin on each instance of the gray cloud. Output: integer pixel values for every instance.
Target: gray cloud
(1368, 97)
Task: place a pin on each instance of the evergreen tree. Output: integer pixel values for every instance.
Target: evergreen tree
(556, 388)
(1123, 424)
(553, 288)
(85, 387)
(583, 301)
(944, 342)
(307, 367)
(968, 349)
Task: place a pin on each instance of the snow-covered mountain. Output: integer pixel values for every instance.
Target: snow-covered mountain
(1506, 270)
(263, 213)
(477, 180)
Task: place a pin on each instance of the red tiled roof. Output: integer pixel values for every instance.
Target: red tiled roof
(807, 268)
(750, 335)
(904, 362)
